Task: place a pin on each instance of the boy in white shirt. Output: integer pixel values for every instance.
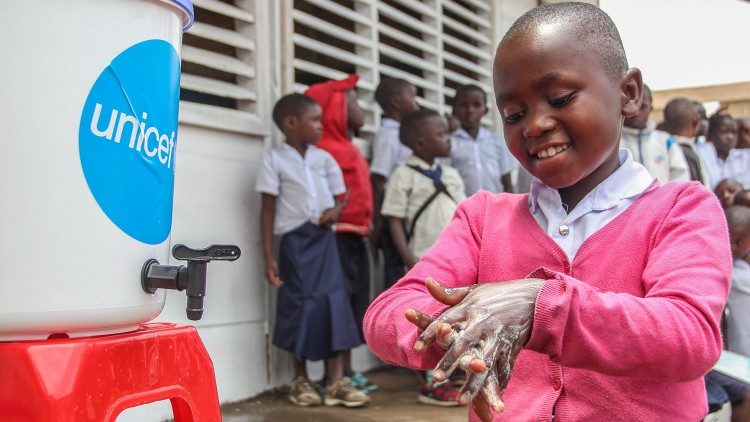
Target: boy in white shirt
(397, 98)
(651, 147)
(480, 156)
(420, 200)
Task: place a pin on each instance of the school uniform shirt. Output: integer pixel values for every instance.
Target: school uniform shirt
(387, 150)
(304, 186)
(738, 320)
(406, 192)
(600, 206)
(653, 149)
(481, 161)
(736, 166)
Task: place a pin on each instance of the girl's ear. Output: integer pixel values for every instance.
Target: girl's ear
(632, 92)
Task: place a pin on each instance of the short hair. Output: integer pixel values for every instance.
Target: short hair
(738, 216)
(464, 89)
(412, 125)
(587, 22)
(291, 105)
(717, 120)
(389, 88)
(678, 113)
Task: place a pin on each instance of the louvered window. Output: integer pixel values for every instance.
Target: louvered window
(221, 86)
(438, 45)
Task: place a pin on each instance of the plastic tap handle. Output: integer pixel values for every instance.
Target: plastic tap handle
(211, 253)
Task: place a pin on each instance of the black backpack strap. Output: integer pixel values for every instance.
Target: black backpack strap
(439, 188)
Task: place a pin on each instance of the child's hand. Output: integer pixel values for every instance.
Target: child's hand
(486, 328)
(329, 216)
(272, 273)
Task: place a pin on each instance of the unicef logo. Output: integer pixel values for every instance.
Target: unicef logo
(127, 138)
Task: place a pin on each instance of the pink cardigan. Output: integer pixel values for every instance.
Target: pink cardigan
(624, 332)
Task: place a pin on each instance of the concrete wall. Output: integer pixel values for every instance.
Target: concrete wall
(736, 96)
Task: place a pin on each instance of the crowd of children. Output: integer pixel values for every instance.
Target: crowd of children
(605, 275)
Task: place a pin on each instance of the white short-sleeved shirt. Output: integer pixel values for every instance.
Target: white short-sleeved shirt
(481, 161)
(736, 166)
(387, 150)
(408, 190)
(304, 186)
(600, 206)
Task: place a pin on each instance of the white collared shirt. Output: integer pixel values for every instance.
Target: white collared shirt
(387, 150)
(736, 166)
(304, 186)
(600, 206)
(481, 161)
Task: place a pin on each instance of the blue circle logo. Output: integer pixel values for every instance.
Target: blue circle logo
(127, 139)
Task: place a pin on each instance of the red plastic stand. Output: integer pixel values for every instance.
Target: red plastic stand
(96, 378)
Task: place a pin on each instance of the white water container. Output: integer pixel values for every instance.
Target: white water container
(89, 127)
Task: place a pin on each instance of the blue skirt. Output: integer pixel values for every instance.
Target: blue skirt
(314, 318)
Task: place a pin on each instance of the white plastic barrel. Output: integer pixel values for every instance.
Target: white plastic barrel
(88, 131)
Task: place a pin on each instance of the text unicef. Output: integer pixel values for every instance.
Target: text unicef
(148, 139)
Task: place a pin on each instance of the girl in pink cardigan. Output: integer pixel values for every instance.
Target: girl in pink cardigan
(601, 290)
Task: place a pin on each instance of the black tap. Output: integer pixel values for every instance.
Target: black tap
(193, 277)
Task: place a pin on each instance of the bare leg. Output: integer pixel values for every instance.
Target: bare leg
(300, 368)
(347, 357)
(334, 368)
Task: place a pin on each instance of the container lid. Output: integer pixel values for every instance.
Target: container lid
(189, 15)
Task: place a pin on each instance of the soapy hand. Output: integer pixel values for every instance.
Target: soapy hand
(483, 332)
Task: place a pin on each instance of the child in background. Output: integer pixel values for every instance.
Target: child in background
(722, 389)
(738, 320)
(342, 116)
(728, 162)
(481, 157)
(314, 320)
(619, 317)
(421, 191)
(651, 147)
(681, 120)
(420, 200)
(397, 98)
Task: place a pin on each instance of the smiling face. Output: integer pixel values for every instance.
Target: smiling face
(562, 110)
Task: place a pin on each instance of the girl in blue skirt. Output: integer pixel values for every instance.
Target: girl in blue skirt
(300, 184)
